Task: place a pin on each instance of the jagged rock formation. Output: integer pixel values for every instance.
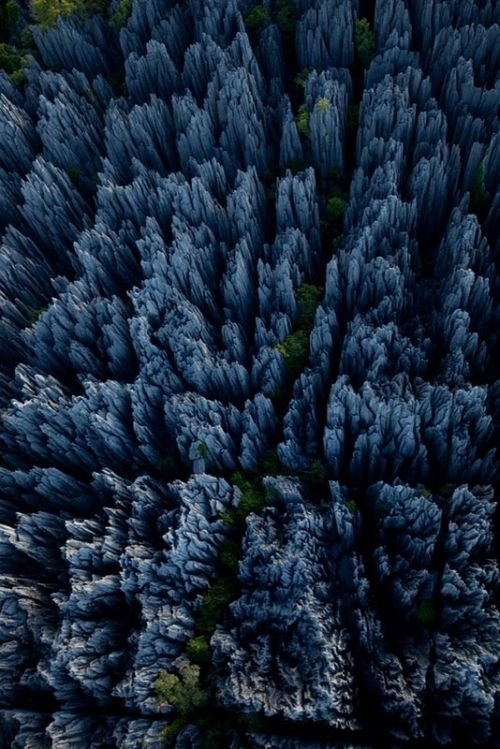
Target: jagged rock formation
(170, 193)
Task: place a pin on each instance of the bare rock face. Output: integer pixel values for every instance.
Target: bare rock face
(285, 584)
(320, 43)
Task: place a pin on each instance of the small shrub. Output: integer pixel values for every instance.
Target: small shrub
(427, 613)
(447, 489)
(199, 650)
(48, 11)
(18, 77)
(214, 737)
(335, 209)
(215, 602)
(300, 79)
(171, 731)
(167, 466)
(121, 14)
(251, 501)
(352, 116)
(364, 40)
(270, 465)
(11, 60)
(270, 494)
(202, 450)
(229, 556)
(323, 104)
(480, 198)
(286, 16)
(316, 475)
(295, 351)
(257, 20)
(36, 314)
(182, 692)
(26, 37)
(13, 13)
(309, 297)
(239, 479)
(302, 120)
(74, 173)
(351, 505)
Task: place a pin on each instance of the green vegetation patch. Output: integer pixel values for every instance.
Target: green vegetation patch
(316, 475)
(199, 650)
(215, 601)
(286, 16)
(295, 351)
(480, 198)
(323, 104)
(427, 613)
(182, 692)
(257, 20)
(121, 14)
(300, 79)
(13, 62)
(302, 120)
(229, 556)
(364, 41)
(252, 500)
(36, 314)
(335, 209)
(295, 347)
(13, 13)
(48, 11)
(309, 297)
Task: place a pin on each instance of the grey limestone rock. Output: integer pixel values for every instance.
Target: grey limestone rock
(70, 128)
(259, 423)
(296, 205)
(289, 589)
(301, 424)
(53, 209)
(325, 35)
(144, 134)
(326, 129)
(68, 46)
(290, 146)
(192, 418)
(152, 73)
(19, 140)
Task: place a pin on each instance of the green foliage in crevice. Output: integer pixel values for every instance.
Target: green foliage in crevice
(13, 61)
(36, 313)
(364, 41)
(480, 198)
(295, 347)
(184, 693)
(257, 20)
(302, 121)
(427, 613)
(121, 14)
(286, 16)
(48, 11)
(191, 691)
